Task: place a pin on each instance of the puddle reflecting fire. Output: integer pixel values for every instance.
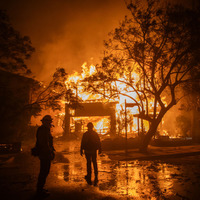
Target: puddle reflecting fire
(138, 179)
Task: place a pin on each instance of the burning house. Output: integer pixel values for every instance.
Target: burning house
(108, 116)
(101, 114)
(116, 116)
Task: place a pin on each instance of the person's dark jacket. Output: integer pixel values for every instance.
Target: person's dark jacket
(90, 142)
(44, 143)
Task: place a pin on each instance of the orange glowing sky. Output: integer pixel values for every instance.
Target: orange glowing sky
(65, 33)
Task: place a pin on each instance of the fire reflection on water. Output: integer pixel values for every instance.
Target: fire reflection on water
(139, 179)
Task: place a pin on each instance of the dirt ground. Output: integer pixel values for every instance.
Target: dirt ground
(171, 178)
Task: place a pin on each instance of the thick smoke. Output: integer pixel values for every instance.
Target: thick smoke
(65, 33)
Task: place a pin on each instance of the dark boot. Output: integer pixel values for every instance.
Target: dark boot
(88, 179)
(96, 181)
(42, 193)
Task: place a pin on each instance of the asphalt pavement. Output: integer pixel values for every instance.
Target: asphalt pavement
(163, 173)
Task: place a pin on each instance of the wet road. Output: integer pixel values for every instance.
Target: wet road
(172, 179)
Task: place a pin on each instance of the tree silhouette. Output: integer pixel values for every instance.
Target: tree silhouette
(14, 48)
(159, 43)
(45, 96)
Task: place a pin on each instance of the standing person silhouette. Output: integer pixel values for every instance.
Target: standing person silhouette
(44, 143)
(90, 143)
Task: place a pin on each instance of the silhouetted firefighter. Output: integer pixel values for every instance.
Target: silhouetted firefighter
(90, 143)
(44, 145)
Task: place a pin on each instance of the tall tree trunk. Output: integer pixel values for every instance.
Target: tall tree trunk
(146, 139)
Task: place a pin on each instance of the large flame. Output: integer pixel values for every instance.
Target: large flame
(74, 82)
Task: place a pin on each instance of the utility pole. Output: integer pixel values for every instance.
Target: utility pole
(125, 129)
(130, 105)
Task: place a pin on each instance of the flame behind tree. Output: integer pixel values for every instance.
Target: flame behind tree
(161, 45)
(51, 95)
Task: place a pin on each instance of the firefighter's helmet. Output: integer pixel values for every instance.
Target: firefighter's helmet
(47, 118)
